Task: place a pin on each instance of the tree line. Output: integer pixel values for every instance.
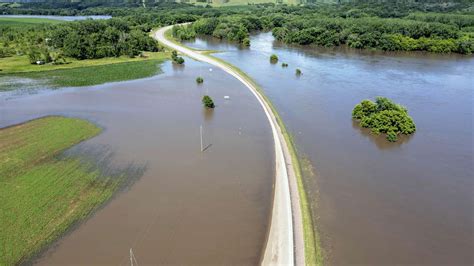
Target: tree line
(88, 39)
(433, 32)
(388, 25)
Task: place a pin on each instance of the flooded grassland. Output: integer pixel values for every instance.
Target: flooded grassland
(189, 206)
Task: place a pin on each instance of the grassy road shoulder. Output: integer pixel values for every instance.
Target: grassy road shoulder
(42, 195)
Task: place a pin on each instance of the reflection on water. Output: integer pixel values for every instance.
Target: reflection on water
(380, 140)
(408, 202)
(189, 206)
(208, 114)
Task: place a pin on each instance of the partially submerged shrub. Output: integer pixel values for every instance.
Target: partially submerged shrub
(284, 65)
(207, 101)
(273, 59)
(199, 80)
(177, 59)
(298, 72)
(246, 42)
(384, 116)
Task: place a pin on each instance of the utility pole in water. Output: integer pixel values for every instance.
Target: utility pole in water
(200, 131)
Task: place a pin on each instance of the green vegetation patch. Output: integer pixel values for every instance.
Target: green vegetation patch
(184, 32)
(92, 75)
(9, 21)
(176, 59)
(20, 63)
(273, 59)
(42, 195)
(208, 102)
(384, 116)
(387, 26)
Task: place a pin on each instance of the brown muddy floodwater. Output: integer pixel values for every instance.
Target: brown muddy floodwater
(379, 203)
(188, 207)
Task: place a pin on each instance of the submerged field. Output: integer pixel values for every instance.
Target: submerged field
(41, 194)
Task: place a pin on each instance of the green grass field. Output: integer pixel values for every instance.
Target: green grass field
(18, 22)
(41, 195)
(90, 72)
(16, 64)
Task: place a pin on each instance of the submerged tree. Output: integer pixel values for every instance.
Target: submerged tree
(384, 116)
(177, 59)
(246, 42)
(273, 59)
(208, 102)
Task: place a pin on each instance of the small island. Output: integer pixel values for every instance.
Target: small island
(384, 116)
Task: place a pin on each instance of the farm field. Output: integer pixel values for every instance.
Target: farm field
(41, 194)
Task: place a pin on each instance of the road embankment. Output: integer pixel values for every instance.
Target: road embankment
(287, 237)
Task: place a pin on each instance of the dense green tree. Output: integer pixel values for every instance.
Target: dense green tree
(183, 32)
(208, 102)
(384, 116)
(273, 59)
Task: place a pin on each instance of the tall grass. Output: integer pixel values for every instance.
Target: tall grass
(41, 195)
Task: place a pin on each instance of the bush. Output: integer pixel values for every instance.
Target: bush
(384, 116)
(199, 80)
(284, 65)
(273, 59)
(177, 59)
(183, 32)
(298, 72)
(208, 102)
(246, 42)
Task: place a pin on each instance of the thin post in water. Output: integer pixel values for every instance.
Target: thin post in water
(201, 137)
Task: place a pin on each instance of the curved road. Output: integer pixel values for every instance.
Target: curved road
(285, 244)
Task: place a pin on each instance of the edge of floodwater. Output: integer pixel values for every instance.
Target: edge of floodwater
(312, 248)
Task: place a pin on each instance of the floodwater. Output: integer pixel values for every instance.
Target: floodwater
(63, 18)
(409, 202)
(189, 206)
